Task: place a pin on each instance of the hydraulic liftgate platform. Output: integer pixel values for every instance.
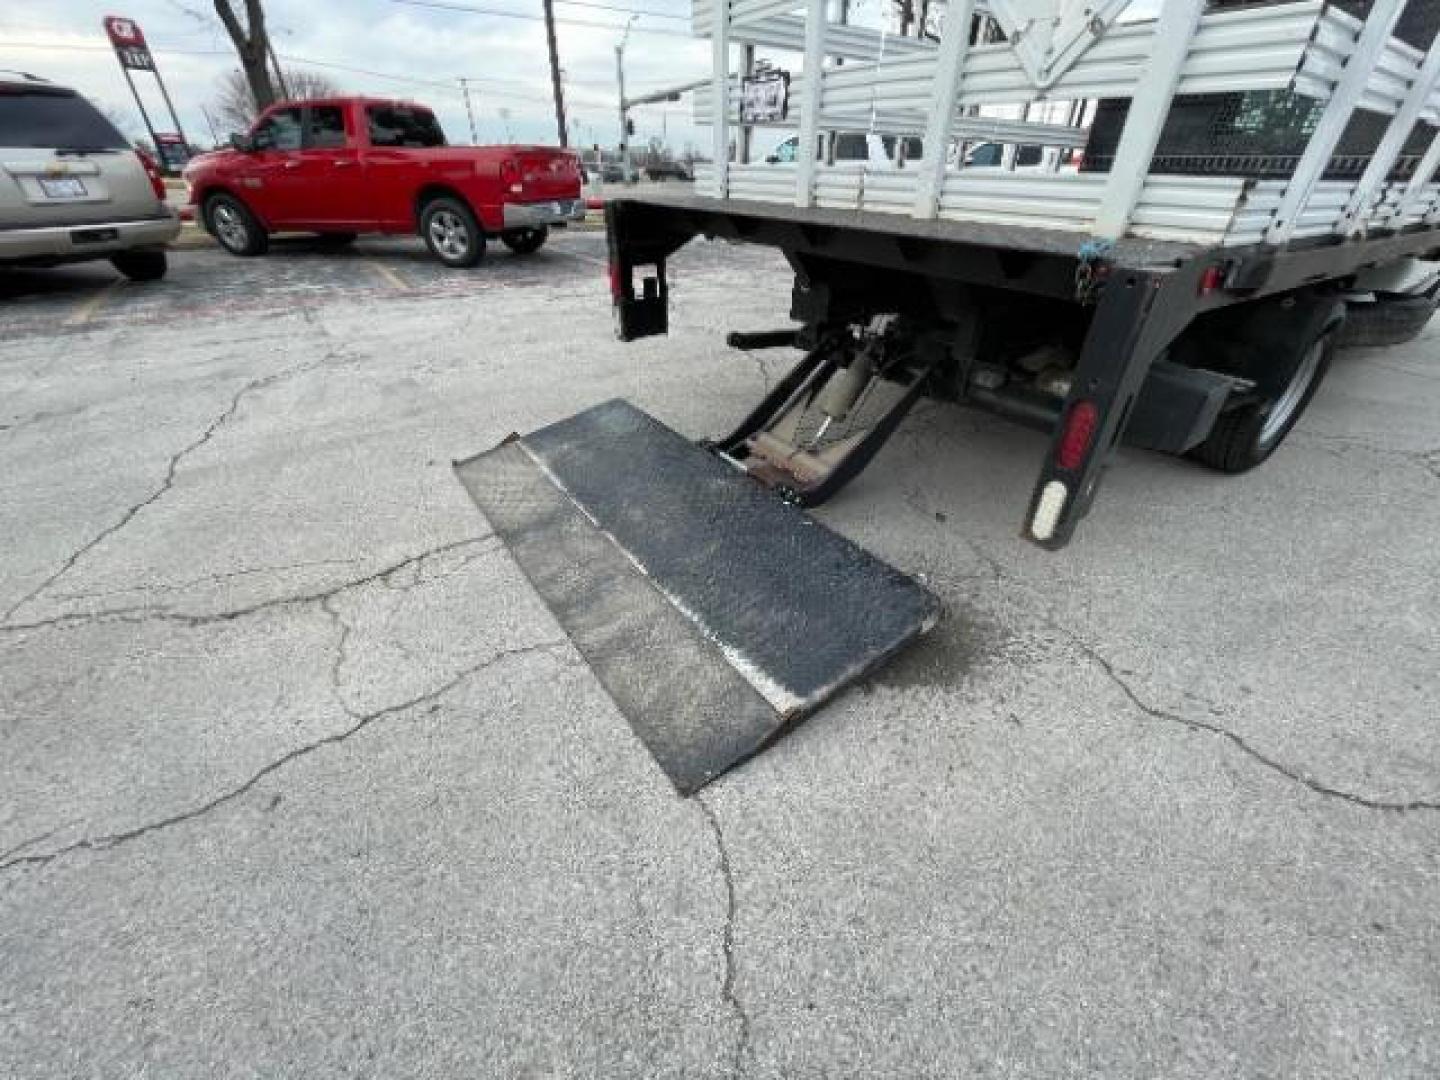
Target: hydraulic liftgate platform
(715, 613)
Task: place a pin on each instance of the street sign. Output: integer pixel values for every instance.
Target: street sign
(171, 150)
(765, 97)
(134, 54)
(129, 42)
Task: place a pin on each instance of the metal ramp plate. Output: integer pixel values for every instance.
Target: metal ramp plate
(714, 614)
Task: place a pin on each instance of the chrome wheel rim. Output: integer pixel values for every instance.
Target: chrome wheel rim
(449, 235)
(1288, 403)
(229, 225)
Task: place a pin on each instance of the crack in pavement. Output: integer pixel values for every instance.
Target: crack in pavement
(168, 481)
(203, 579)
(727, 987)
(8, 854)
(1240, 742)
(1002, 576)
(337, 663)
(362, 721)
(139, 613)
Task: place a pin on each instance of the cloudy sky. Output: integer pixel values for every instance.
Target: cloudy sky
(385, 47)
(401, 48)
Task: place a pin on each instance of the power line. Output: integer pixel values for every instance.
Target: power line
(534, 18)
(624, 10)
(306, 61)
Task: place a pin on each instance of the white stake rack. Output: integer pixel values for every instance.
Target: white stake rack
(1073, 50)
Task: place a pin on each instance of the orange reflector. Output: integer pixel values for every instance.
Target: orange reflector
(1079, 432)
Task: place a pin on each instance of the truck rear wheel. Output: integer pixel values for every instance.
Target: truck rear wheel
(451, 232)
(1387, 320)
(1246, 435)
(525, 241)
(231, 223)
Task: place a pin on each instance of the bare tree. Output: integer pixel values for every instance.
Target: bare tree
(235, 107)
(252, 44)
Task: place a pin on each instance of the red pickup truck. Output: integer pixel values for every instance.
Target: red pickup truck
(343, 166)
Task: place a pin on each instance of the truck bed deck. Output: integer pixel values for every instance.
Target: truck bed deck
(711, 216)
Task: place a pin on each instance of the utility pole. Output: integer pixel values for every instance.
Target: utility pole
(469, 112)
(555, 71)
(624, 105)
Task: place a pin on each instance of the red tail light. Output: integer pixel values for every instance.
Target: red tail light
(1077, 435)
(157, 179)
(616, 282)
(1212, 279)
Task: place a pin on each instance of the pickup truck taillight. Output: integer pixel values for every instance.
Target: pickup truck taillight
(510, 175)
(157, 180)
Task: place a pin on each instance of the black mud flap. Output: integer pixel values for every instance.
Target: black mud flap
(713, 613)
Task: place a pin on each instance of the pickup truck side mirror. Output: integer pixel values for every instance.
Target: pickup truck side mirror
(243, 142)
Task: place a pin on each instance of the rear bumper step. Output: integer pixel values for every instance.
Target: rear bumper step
(714, 614)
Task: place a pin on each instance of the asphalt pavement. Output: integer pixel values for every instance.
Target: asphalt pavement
(298, 777)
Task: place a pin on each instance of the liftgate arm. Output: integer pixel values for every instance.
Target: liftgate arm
(1140, 312)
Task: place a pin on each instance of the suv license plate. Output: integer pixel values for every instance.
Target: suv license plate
(62, 187)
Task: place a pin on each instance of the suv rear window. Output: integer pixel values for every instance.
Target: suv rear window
(54, 118)
(397, 125)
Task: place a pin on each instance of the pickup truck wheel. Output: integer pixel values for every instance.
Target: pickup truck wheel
(1245, 436)
(451, 232)
(525, 241)
(234, 226)
(141, 265)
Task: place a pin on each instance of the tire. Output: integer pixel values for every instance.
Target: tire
(234, 227)
(1246, 435)
(451, 232)
(1388, 320)
(333, 240)
(141, 265)
(525, 241)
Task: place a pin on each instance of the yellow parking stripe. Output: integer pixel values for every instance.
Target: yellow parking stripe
(390, 276)
(85, 310)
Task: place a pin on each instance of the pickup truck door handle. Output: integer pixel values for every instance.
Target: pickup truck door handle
(342, 162)
(292, 164)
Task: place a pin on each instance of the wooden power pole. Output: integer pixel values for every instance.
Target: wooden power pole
(555, 71)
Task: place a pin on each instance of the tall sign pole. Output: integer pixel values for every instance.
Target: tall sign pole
(555, 71)
(134, 55)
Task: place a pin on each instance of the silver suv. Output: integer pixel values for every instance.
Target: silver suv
(72, 188)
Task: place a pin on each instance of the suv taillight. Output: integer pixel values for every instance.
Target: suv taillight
(157, 180)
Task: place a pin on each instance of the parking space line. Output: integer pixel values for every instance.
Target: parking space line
(391, 277)
(85, 310)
